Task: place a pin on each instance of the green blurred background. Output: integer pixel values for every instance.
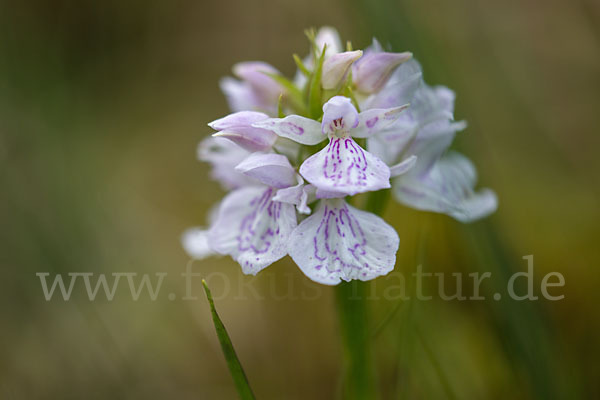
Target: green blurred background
(102, 105)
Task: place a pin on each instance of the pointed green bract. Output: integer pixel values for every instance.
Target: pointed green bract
(314, 94)
(300, 65)
(235, 368)
(293, 93)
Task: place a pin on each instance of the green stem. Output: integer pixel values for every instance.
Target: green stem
(359, 376)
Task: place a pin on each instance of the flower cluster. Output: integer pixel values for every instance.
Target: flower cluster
(350, 122)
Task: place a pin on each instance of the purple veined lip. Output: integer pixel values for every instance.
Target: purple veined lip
(346, 227)
(346, 168)
(332, 166)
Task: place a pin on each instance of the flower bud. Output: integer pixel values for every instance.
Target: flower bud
(373, 70)
(335, 68)
(255, 74)
(238, 128)
(328, 36)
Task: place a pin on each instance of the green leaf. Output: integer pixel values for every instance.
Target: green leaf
(294, 94)
(314, 93)
(235, 368)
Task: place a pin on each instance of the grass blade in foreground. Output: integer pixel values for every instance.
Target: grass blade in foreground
(235, 368)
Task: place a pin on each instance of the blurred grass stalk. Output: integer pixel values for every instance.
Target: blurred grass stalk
(358, 375)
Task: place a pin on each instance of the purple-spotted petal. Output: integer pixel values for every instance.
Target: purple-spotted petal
(339, 114)
(336, 67)
(339, 242)
(299, 129)
(346, 168)
(252, 228)
(271, 169)
(376, 120)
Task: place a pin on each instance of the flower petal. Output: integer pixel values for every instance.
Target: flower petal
(328, 35)
(271, 169)
(339, 110)
(431, 141)
(400, 88)
(299, 129)
(403, 167)
(250, 138)
(390, 143)
(224, 155)
(339, 242)
(240, 96)
(344, 167)
(237, 119)
(376, 120)
(447, 188)
(252, 228)
(195, 243)
(296, 195)
(255, 73)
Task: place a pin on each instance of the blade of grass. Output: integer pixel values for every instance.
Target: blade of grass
(233, 363)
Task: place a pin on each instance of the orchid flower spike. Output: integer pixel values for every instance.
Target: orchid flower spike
(366, 139)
